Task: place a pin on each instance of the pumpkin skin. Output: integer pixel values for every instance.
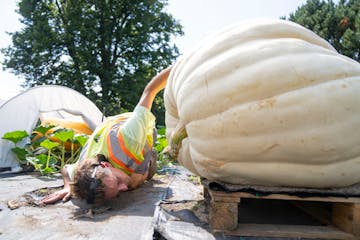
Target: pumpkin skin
(267, 102)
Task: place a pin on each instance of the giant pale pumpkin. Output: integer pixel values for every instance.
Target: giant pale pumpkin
(267, 102)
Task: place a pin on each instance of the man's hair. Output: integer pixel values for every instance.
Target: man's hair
(87, 181)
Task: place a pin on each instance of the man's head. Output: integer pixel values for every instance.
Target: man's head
(96, 180)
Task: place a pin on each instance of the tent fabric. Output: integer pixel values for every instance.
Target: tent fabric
(23, 111)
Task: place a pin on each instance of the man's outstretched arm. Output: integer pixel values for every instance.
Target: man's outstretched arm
(156, 84)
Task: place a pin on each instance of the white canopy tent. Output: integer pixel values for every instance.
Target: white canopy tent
(23, 111)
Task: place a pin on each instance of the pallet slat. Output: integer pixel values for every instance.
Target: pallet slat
(342, 220)
(347, 217)
(235, 195)
(272, 230)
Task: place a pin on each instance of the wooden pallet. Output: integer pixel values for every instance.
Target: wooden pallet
(340, 220)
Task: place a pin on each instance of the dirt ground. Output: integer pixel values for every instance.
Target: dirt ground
(131, 215)
(171, 206)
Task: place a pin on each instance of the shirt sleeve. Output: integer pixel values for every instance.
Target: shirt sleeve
(139, 126)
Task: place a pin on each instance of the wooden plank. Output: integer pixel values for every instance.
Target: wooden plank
(346, 216)
(276, 230)
(235, 195)
(335, 212)
(223, 215)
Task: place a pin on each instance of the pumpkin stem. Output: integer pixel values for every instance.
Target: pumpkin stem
(172, 151)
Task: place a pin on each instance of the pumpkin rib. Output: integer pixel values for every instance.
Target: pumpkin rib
(315, 177)
(275, 95)
(238, 52)
(267, 107)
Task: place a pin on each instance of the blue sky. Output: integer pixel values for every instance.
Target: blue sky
(199, 18)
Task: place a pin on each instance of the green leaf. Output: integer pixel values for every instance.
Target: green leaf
(39, 162)
(42, 158)
(20, 153)
(47, 171)
(52, 161)
(160, 144)
(64, 134)
(32, 160)
(81, 139)
(35, 162)
(49, 144)
(43, 129)
(38, 141)
(15, 136)
(161, 131)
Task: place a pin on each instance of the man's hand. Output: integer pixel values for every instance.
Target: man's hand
(63, 195)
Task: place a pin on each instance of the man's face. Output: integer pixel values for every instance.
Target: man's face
(112, 182)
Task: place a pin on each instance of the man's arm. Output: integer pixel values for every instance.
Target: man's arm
(156, 84)
(63, 194)
(153, 87)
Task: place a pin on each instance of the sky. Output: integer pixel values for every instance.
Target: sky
(199, 19)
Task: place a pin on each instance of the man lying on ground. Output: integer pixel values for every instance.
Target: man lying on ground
(118, 156)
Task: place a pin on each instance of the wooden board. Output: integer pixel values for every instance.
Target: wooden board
(289, 231)
(341, 220)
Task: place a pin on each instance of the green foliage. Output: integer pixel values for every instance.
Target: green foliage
(338, 23)
(48, 144)
(47, 152)
(160, 145)
(15, 136)
(64, 135)
(20, 153)
(43, 129)
(107, 50)
(161, 139)
(81, 139)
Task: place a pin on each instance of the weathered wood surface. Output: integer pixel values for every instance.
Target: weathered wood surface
(341, 221)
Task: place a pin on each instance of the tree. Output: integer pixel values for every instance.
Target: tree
(106, 49)
(338, 23)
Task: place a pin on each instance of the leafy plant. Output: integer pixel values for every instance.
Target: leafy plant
(161, 142)
(49, 147)
(16, 137)
(160, 145)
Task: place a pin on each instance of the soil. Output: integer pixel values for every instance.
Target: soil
(198, 208)
(32, 198)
